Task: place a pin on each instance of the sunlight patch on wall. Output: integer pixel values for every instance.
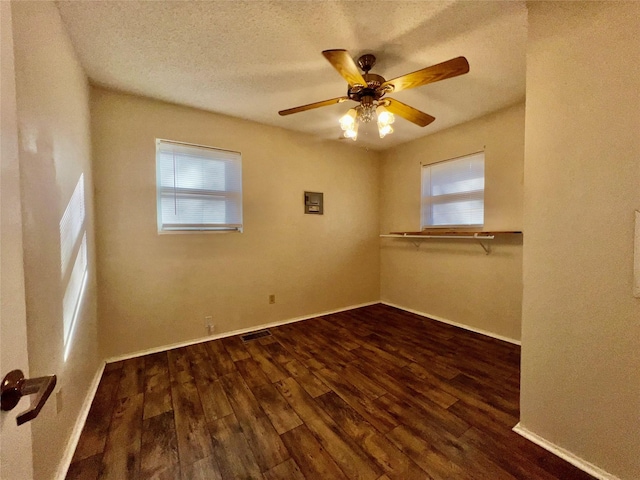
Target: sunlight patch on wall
(73, 295)
(71, 225)
(73, 245)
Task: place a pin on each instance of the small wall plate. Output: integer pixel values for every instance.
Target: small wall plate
(313, 203)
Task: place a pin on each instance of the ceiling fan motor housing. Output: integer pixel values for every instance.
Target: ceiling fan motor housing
(371, 90)
(358, 93)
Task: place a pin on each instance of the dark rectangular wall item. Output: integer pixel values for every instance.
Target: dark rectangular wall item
(313, 203)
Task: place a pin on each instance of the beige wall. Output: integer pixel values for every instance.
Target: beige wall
(453, 279)
(581, 323)
(54, 150)
(156, 289)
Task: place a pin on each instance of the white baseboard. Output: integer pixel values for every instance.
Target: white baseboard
(573, 459)
(232, 333)
(455, 324)
(72, 443)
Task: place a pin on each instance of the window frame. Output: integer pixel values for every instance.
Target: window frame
(425, 203)
(227, 195)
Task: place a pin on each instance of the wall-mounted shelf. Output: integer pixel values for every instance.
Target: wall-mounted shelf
(481, 237)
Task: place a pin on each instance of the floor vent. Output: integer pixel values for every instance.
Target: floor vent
(253, 336)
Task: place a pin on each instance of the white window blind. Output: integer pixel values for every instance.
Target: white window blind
(453, 192)
(199, 188)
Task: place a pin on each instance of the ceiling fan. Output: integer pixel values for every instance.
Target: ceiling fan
(369, 90)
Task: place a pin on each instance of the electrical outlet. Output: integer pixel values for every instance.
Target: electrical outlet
(272, 299)
(59, 401)
(208, 324)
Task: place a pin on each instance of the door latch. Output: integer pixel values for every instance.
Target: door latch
(15, 386)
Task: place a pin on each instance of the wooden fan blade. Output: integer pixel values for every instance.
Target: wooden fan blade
(441, 71)
(311, 106)
(408, 113)
(346, 67)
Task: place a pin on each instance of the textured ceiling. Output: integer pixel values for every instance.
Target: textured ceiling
(251, 58)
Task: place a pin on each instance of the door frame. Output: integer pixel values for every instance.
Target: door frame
(16, 453)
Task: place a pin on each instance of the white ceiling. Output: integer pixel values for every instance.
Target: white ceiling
(252, 58)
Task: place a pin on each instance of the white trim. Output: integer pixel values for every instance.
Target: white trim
(72, 443)
(636, 256)
(573, 459)
(163, 348)
(455, 324)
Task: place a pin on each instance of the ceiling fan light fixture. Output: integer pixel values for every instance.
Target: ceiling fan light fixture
(348, 120)
(385, 117)
(366, 109)
(352, 132)
(384, 130)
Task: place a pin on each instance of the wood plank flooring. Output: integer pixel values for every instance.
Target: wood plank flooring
(373, 393)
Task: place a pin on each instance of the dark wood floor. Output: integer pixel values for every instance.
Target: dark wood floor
(372, 393)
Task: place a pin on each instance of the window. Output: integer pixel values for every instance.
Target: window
(199, 188)
(453, 192)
